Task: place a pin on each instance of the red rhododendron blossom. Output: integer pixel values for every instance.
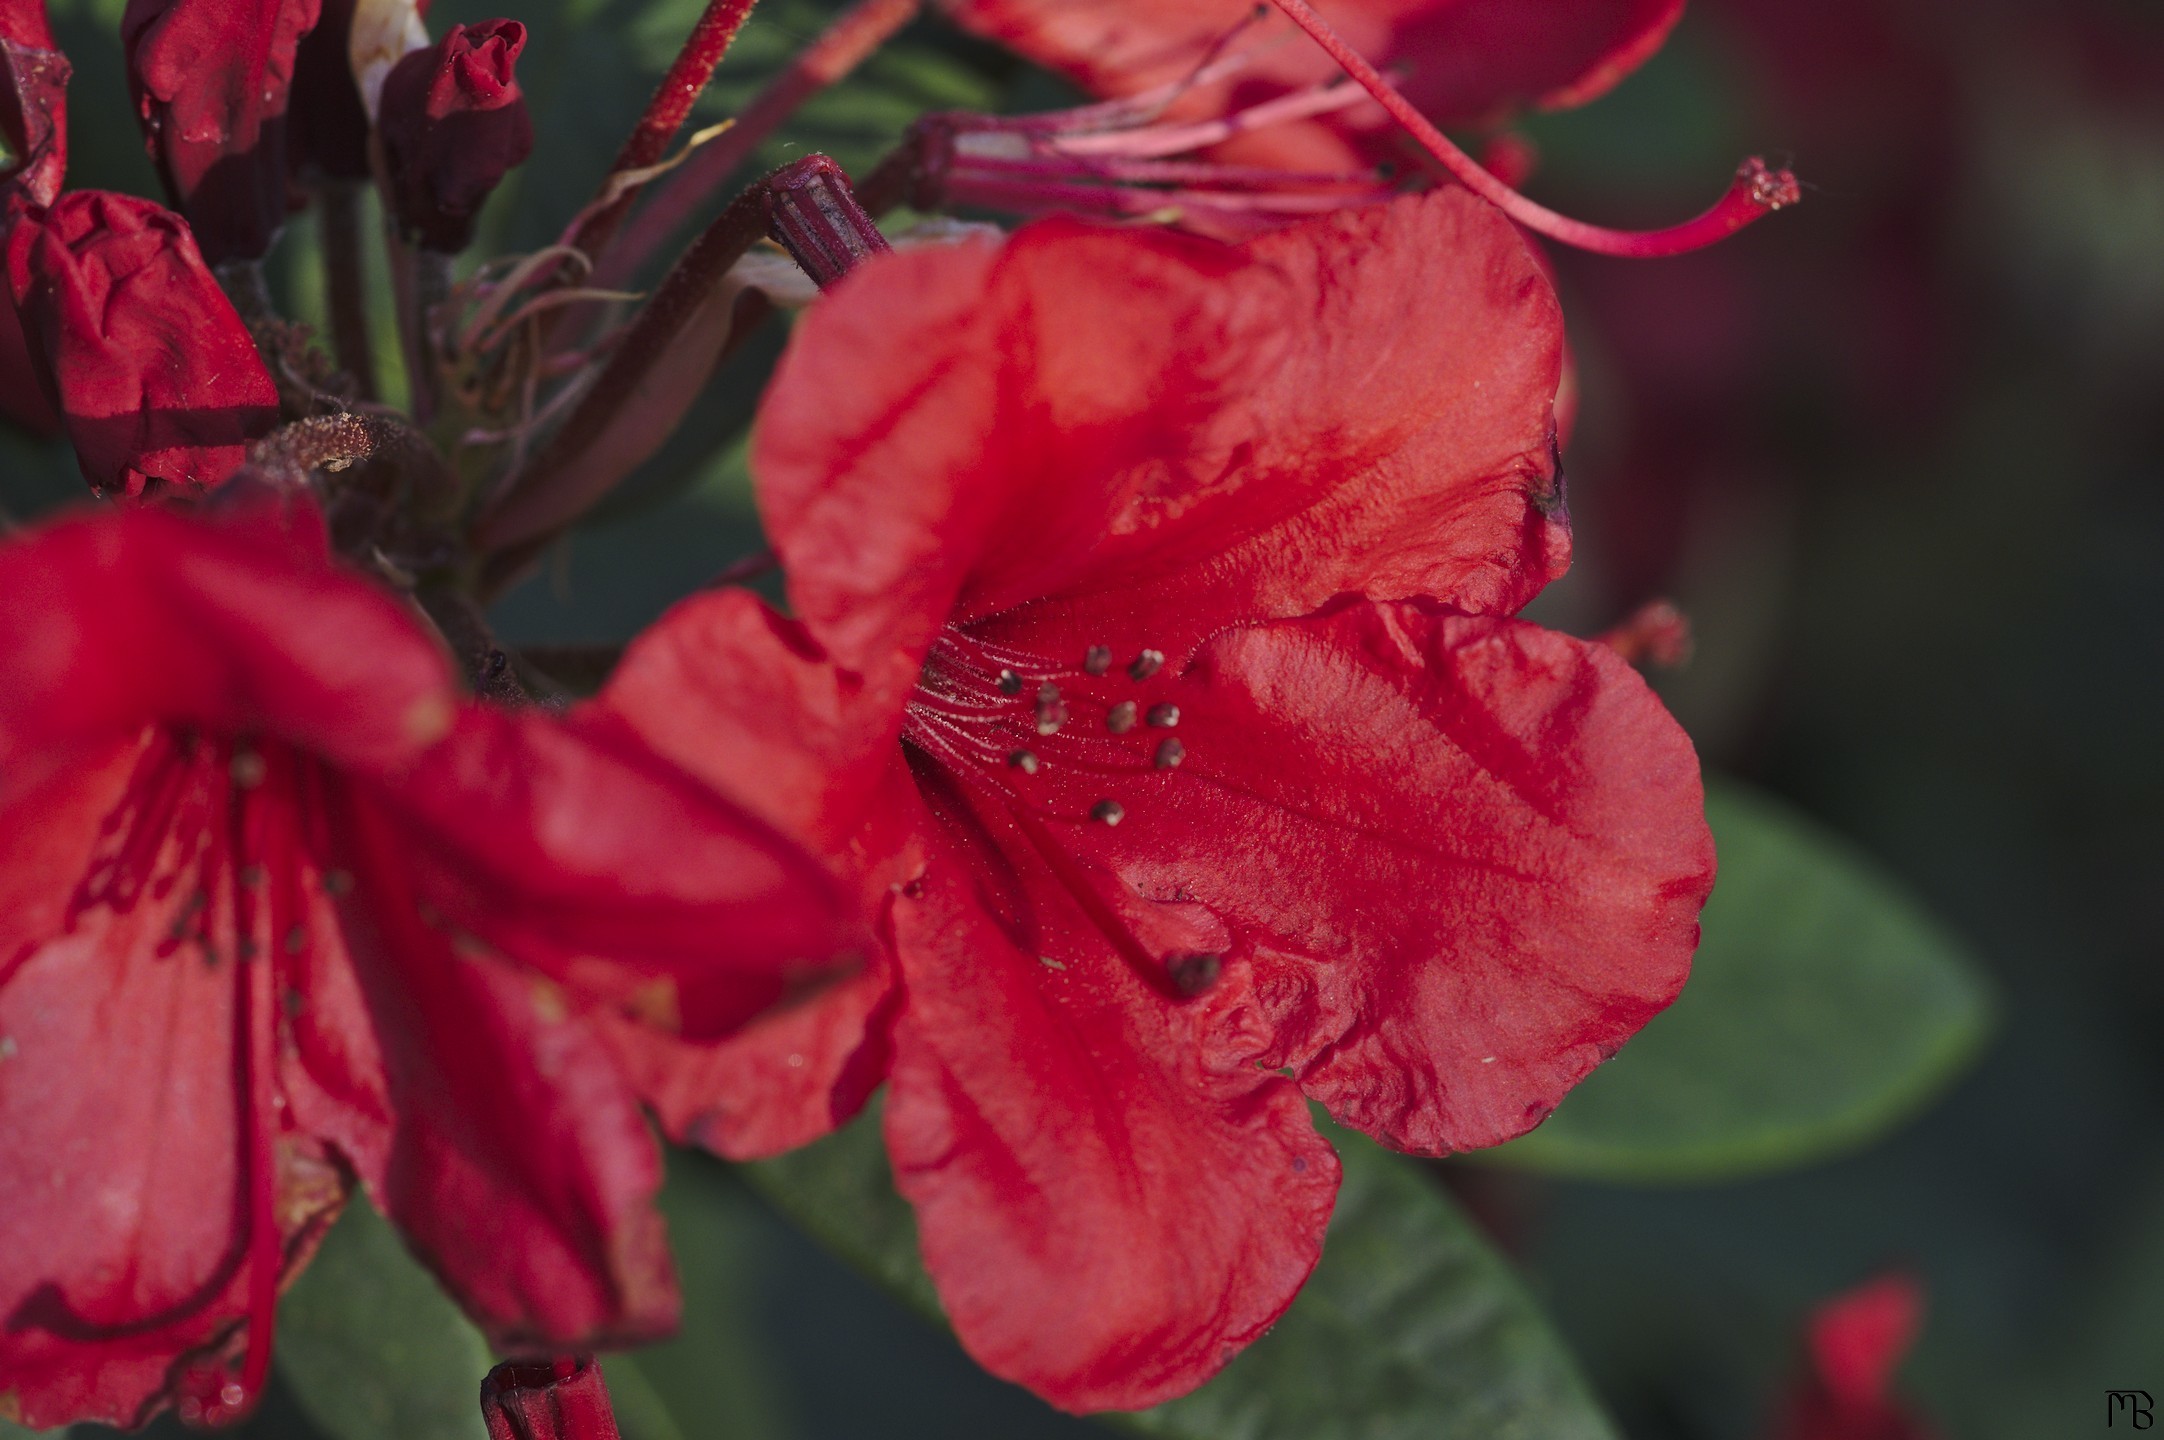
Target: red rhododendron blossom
(1153, 669)
(281, 909)
(1855, 1341)
(564, 1399)
(154, 376)
(210, 80)
(454, 124)
(1463, 60)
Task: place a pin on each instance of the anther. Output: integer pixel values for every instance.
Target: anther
(296, 940)
(338, 882)
(1121, 718)
(1051, 710)
(1164, 717)
(1170, 753)
(1112, 812)
(252, 877)
(1193, 974)
(1024, 761)
(1146, 664)
(248, 769)
(1009, 683)
(1097, 660)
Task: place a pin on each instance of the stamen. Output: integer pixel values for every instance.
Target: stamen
(1121, 718)
(1111, 812)
(1146, 664)
(1170, 754)
(1193, 974)
(1024, 761)
(1164, 717)
(1097, 660)
(1051, 710)
(1755, 193)
(1009, 683)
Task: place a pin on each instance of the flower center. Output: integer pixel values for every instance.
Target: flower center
(1061, 737)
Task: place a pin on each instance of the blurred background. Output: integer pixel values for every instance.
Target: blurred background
(1899, 454)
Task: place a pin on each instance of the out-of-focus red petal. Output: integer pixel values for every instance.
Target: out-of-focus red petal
(137, 348)
(1111, 1199)
(581, 854)
(125, 1237)
(1463, 60)
(1856, 1340)
(515, 1158)
(1458, 860)
(745, 698)
(1127, 428)
(110, 622)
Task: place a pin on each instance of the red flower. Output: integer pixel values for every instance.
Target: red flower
(279, 909)
(454, 123)
(152, 372)
(563, 1399)
(1466, 60)
(1855, 1340)
(1153, 673)
(210, 80)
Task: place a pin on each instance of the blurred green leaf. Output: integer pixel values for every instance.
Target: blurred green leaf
(1412, 1326)
(1824, 1007)
(714, 1380)
(372, 1348)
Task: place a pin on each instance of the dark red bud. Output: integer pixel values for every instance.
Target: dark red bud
(136, 347)
(454, 123)
(33, 104)
(814, 214)
(563, 1399)
(211, 79)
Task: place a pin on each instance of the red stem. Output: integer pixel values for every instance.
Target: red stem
(845, 44)
(1755, 193)
(694, 65)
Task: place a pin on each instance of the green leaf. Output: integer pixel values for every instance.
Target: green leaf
(373, 1349)
(1412, 1327)
(1824, 1007)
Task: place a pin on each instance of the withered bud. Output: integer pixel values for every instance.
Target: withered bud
(453, 123)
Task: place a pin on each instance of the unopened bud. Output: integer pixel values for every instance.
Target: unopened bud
(33, 103)
(454, 123)
(561, 1399)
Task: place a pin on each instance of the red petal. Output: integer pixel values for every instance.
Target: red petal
(578, 852)
(743, 697)
(515, 1160)
(1460, 859)
(1464, 60)
(114, 621)
(125, 1126)
(1110, 1204)
(154, 375)
(1122, 421)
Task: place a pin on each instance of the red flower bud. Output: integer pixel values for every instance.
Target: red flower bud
(563, 1399)
(210, 80)
(153, 374)
(453, 123)
(33, 103)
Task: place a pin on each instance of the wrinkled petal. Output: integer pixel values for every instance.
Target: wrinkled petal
(1460, 859)
(138, 350)
(1110, 1206)
(1462, 60)
(1168, 435)
(33, 105)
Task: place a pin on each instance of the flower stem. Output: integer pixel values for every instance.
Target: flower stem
(1756, 192)
(703, 48)
(854, 36)
(346, 285)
